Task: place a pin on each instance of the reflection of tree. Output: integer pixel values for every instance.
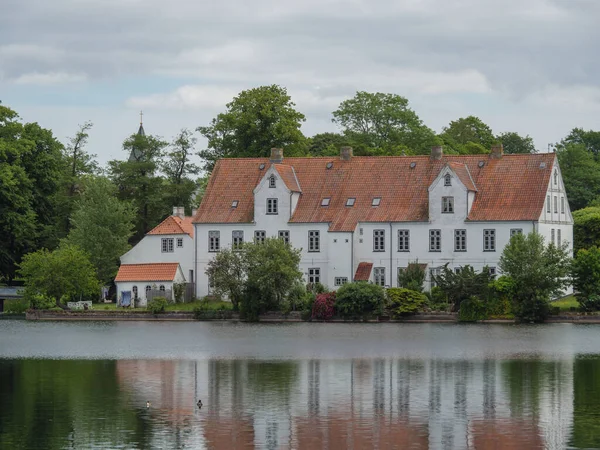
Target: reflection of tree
(523, 382)
(54, 404)
(586, 408)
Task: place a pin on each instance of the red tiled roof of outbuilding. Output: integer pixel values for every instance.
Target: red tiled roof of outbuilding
(147, 272)
(511, 188)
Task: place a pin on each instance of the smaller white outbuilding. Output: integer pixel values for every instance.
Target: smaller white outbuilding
(138, 283)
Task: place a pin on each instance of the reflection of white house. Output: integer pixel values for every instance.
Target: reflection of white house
(136, 281)
(369, 217)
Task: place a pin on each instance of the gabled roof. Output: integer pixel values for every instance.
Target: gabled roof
(510, 188)
(463, 174)
(288, 176)
(147, 272)
(363, 271)
(174, 225)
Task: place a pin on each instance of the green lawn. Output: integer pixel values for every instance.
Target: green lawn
(566, 303)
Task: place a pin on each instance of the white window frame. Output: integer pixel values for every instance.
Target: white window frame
(555, 177)
(447, 205)
(350, 201)
(260, 236)
(558, 237)
(214, 241)
(555, 204)
(325, 201)
(379, 240)
(435, 240)
(272, 183)
(447, 180)
(562, 205)
(379, 276)
(404, 240)
(162, 288)
(460, 240)
(237, 239)
(434, 272)
(272, 207)
(340, 281)
(314, 241)
(167, 245)
(179, 242)
(552, 233)
(314, 275)
(489, 240)
(514, 231)
(135, 291)
(376, 201)
(284, 235)
(547, 203)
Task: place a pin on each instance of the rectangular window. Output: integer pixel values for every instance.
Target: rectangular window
(166, 245)
(457, 269)
(179, 242)
(558, 237)
(489, 240)
(432, 274)
(555, 204)
(562, 205)
(350, 201)
(340, 281)
(376, 201)
(403, 240)
(447, 205)
(271, 206)
(325, 201)
(379, 276)
(214, 241)
(260, 236)
(460, 240)
(547, 203)
(514, 231)
(285, 236)
(492, 271)
(379, 240)
(314, 244)
(435, 240)
(237, 239)
(272, 181)
(314, 275)
(400, 272)
(552, 236)
(448, 180)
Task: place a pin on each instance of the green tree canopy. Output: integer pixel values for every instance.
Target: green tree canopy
(227, 273)
(538, 271)
(255, 121)
(102, 225)
(179, 170)
(586, 277)
(465, 130)
(586, 228)
(64, 274)
(327, 144)
(515, 143)
(463, 285)
(581, 174)
(384, 123)
(589, 139)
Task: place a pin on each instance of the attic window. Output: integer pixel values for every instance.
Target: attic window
(447, 180)
(272, 181)
(413, 165)
(481, 164)
(325, 201)
(376, 201)
(261, 167)
(234, 204)
(542, 165)
(350, 201)
(329, 165)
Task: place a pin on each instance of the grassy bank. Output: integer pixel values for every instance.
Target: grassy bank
(185, 307)
(565, 304)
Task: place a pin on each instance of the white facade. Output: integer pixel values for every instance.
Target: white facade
(461, 241)
(142, 286)
(151, 250)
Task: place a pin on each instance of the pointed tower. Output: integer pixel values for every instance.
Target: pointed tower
(136, 154)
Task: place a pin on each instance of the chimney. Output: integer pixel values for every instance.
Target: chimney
(194, 211)
(497, 151)
(346, 153)
(437, 152)
(179, 211)
(276, 155)
(175, 210)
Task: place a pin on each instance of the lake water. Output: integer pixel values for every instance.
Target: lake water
(298, 386)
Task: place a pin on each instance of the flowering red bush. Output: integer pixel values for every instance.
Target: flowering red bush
(323, 307)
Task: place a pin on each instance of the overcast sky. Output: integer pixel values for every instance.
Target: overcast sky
(530, 66)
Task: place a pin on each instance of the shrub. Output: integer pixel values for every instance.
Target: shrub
(589, 303)
(500, 297)
(296, 296)
(464, 284)
(178, 292)
(16, 306)
(316, 288)
(412, 277)
(405, 301)
(359, 299)
(323, 308)
(39, 301)
(307, 306)
(438, 300)
(472, 310)
(157, 305)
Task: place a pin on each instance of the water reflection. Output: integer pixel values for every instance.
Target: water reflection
(304, 404)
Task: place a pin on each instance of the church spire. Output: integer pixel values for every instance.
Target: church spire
(141, 131)
(136, 154)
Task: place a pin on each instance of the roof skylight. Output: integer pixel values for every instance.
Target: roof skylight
(325, 201)
(350, 201)
(234, 204)
(376, 201)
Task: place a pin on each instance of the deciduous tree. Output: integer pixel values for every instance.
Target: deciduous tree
(179, 170)
(580, 173)
(467, 129)
(515, 143)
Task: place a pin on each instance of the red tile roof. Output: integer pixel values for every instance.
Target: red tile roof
(288, 176)
(363, 271)
(463, 174)
(509, 188)
(147, 272)
(174, 225)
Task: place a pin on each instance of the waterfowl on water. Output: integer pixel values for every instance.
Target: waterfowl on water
(147, 404)
(199, 403)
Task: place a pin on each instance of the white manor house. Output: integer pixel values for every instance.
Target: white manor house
(360, 218)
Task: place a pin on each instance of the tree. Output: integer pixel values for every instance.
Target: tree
(538, 272)
(178, 169)
(255, 121)
(581, 174)
(64, 274)
(227, 273)
(412, 278)
(586, 228)
(586, 278)
(467, 129)
(327, 144)
(359, 300)
(384, 122)
(515, 143)
(139, 183)
(102, 225)
(462, 285)
(589, 139)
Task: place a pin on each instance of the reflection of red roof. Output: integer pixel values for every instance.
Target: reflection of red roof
(288, 176)
(363, 271)
(509, 188)
(147, 272)
(174, 225)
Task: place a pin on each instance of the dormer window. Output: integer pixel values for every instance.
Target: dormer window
(272, 181)
(376, 201)
(350, 201)
(234, 204)
(325, 201)
(447, 180)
